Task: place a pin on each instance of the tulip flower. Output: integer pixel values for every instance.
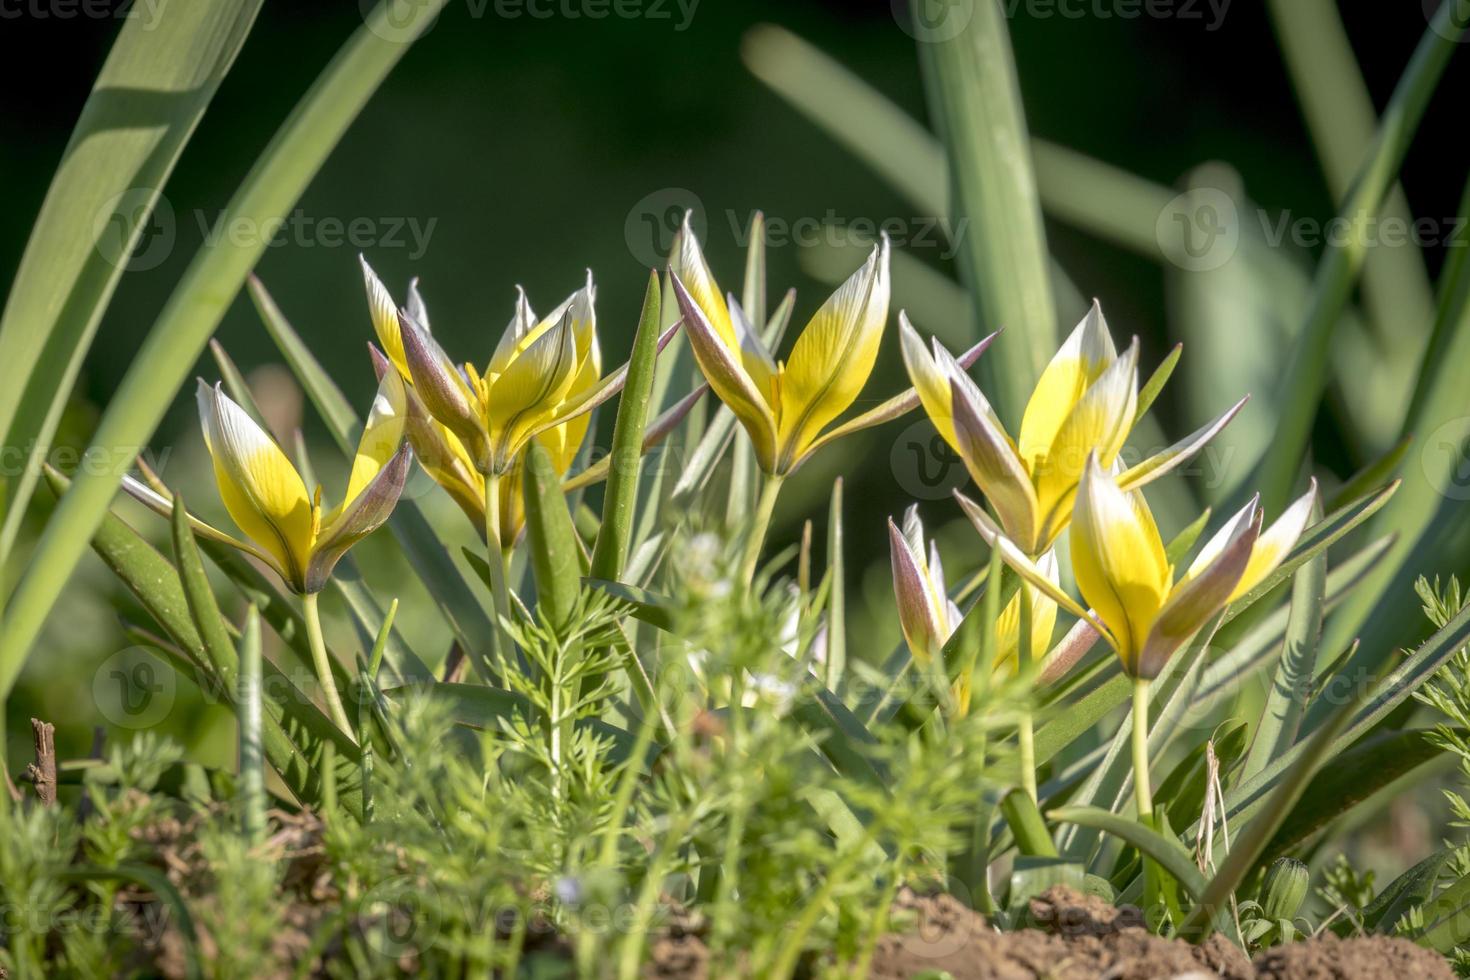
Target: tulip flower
(1086, 401)
(929, 617)
(285, 526)
(1121, 570)
(443, 454)
(788, 407)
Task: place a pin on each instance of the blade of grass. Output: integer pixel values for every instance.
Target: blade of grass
(160, 76)
(555, 557)
(1281, 717)
(1305, 376)
(198, 303)
(835, 662)
(252, 756)
(621, 493)
(1341, 118)
(975, 99)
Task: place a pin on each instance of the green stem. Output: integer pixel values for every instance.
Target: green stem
(495, 558)
(770, 488)
(1026, 732)
(322, 664)
(1141, 788)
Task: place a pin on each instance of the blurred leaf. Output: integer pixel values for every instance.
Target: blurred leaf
(1448, 918)
(844, 738)
(656, 610)
(1340, 115)
(1030, 876)
(1027, 826)
(203, 609)
(621, 494)
(1304, 379)
(975, 100)
(252, 798)
(156, 882)
(1376, 474)
(1354, 777)
(159, 77)
(1183, 790)
(198, 303)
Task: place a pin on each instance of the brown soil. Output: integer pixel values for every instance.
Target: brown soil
(1081, 938)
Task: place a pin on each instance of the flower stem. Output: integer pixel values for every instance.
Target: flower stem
(323, 664)
(495, 559)
(1142, 791)
(1026, 733)
(770, 488)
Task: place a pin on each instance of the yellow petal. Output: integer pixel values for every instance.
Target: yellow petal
(384, 314)
(725, 374)
(531, 387)
(381, 438)
(686, 261)
(834, 356)
(1043, 621)
(1276, 542)
(1118, 560)
(992, 460)
(259, 486)
(1081, 360)
(929, 379)
(1099, 422)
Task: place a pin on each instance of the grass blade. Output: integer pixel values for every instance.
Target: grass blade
(1305, 376)
(198, 303)
(1282, 715)
(835, 662)
(976, 101)
(252, 755)
(620, 497)
(159, 78)
(555, 556)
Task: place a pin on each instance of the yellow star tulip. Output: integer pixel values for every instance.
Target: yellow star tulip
(929, 617)
(787, 406)
(1118, 559)
(543, 379)
(1086, 401)
(286, 527)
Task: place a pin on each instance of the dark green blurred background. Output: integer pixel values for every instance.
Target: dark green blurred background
(528, 149)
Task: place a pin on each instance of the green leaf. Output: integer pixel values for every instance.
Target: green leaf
(249, 712)
(1183, 790)
(1355, 776)
(648, 607)
(203, 609)
(1030, 876)
(1305, 376)
(555, 554)
(160, 76)
(975, 100)
(845, 741)
(296, 731)
(1370, 477)
(1182, 542)
(1286, 701)
(835, 663)
(198, 304)
(1170, 855)
(1024, 819)
(1448, 918)
(1412, 888)
(620, 497)
(1156, 381)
